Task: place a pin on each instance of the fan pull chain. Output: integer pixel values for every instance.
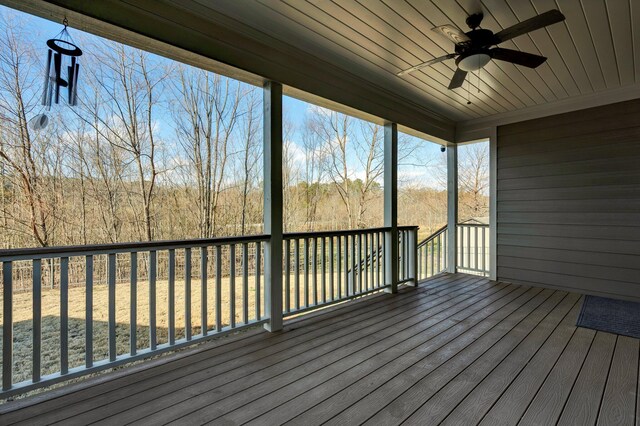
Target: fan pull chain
(468, 91)
(479, 80)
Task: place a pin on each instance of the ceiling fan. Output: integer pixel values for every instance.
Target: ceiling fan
(474, 50)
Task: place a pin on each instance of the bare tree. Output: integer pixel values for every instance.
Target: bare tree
(109, 169)
(206, 116)
(354, 160)
(250, 152)
(369, 152)
(336, 130)
(314, 171)
(290, 176)
(20, 150)
(130, 83)
(473, 178)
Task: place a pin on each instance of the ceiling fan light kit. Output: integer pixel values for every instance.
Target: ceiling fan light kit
(476, 48)
(473, 62)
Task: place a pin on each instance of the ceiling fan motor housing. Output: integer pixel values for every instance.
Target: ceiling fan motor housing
(474, 54)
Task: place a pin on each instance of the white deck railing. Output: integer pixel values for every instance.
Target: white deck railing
(322, 268)
(472, 251)
(70, 311)
(432, 254)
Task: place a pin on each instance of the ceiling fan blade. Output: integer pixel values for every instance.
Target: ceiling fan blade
(516, 57)
(540, 21)
(452, 33)
(428, 63)
(458, 79)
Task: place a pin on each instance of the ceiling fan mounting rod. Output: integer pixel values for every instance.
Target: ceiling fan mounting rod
(474, 20)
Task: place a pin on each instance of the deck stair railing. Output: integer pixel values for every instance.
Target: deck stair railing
(432, 254)
(71, 311)
(472, 251)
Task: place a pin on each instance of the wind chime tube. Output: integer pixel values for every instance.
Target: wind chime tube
(71, 70)
(46, 99)
(75, 86)
(57, 61)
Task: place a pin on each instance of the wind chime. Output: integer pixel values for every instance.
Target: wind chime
(61, 71)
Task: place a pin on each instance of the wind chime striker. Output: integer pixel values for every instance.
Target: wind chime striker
(62, 69)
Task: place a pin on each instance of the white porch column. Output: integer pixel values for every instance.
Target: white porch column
(452, 207)
(493, 204)
(391, 206)
(273, 204)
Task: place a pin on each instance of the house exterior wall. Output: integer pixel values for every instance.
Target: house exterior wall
(568, 201)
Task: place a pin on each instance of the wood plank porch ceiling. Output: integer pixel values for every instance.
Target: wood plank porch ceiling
(597, 48)
(458, 350)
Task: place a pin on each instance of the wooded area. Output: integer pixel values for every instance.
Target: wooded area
(160, 150)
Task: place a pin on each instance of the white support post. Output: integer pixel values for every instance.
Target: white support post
(493, 204)
(452, 207)
(273, 204)
(391, 206)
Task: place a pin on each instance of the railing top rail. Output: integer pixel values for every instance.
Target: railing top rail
(341, 232)
(95, 249)
(307, 234)
(477, 225)
(432, 236)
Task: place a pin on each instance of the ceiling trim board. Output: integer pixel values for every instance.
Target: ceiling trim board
(481, 127)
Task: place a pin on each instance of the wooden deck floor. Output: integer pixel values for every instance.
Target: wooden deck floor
(459, 350)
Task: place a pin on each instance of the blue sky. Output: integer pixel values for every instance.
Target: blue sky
(419, 170)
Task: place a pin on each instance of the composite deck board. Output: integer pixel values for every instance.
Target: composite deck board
(458, 350)
(360, 382)
(375, 354)
(478, 402)
(244, 360)
(357, 381)
(301, 377)
(266, 344)
(515, 344)
(286, 367)
(619, 400)
(548, 403)
(518, 323)
(584, 401)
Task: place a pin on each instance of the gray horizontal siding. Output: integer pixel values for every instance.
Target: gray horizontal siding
(569, 144)
(569, 201)
(573, 120)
